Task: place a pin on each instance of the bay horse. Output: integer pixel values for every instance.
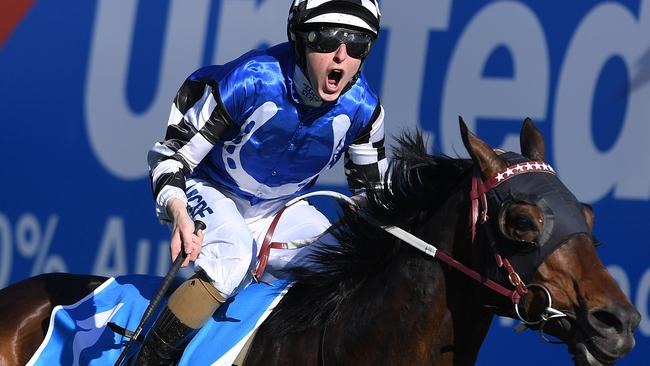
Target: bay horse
(509, 237)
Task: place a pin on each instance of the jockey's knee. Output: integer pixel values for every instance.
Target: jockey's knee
(228, 265)
(195, 300)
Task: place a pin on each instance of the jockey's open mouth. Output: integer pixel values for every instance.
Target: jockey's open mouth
(334, 78)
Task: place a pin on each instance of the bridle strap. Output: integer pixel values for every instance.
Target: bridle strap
(477, 193)
(397, 232)
(479, 190)
(263, 256)
(444, 257)
(516, 169)
(434, 252)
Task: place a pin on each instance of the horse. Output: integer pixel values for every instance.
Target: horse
(499, 234)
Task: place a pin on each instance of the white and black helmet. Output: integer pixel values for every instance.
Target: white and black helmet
(357, 14)
(362, 15)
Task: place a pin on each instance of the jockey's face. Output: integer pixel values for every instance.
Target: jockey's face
(330, 72)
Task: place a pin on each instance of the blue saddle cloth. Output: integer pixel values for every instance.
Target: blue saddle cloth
(78, 333)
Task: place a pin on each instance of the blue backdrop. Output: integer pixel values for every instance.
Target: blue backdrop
(86, 86)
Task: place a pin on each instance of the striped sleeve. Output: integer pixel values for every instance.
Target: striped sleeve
(365, 160)
(197, 120)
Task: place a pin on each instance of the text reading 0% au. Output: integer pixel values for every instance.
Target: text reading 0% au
(33, 242)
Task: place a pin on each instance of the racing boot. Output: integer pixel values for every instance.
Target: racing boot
(187, 310)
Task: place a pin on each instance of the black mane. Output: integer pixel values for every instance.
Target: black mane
(417, 183)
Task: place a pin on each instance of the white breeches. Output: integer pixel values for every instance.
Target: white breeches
(235, 231)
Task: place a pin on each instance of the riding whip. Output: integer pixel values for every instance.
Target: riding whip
(164, 286)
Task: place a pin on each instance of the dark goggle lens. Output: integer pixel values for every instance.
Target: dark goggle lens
(329, 39)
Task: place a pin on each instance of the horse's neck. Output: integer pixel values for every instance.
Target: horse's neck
(466, 320)
(423, 313)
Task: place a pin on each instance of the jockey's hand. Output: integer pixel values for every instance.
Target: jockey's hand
(183, 232)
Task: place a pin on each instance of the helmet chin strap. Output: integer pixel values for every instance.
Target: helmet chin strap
(305, 88)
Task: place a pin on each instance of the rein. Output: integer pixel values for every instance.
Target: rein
(479, 215)
(418, 244)
(478, 195)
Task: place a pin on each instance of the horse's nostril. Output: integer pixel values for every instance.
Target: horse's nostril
(615, 317)
(604, 319)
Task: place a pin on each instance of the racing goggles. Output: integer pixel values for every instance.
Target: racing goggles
(326, 40)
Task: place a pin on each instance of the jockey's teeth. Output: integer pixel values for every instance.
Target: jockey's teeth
(335, 76)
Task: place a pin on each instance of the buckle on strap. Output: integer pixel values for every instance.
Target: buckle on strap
(263, 257)
(267, 245)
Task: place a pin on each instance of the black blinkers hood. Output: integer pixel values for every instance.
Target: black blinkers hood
(563, 218)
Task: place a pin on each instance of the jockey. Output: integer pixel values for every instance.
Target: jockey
(244, 138)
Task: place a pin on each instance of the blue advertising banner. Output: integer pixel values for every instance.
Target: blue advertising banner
(86, 86)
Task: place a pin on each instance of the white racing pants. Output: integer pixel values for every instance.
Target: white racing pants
(235, 231)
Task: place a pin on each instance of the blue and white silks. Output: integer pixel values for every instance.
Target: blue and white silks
(78, 333)
(278, 146)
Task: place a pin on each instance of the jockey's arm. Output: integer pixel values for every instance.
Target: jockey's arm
(365, 159)
(196, 122)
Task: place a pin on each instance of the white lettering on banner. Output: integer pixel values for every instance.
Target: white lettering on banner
(6, 251)
(163, 261)
(642, 294)
(642, 297)
(112, 258)
(642, 291)
(32, 241)
(406, 54)
(112, 249)
(245, 24)
(467, 93)
(143, 248)
(110, 121)
(609, 30)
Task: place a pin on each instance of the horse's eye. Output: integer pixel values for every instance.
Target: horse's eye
(523, 223)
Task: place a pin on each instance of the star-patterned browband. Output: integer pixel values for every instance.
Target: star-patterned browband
(513, 170)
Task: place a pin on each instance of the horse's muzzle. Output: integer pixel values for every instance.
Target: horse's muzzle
(613, 327)
(607, 335)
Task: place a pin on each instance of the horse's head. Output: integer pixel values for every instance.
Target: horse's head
(537, 225)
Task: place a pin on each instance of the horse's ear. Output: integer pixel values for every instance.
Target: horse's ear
(482, 154)
(588, 211)
(532, 141)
